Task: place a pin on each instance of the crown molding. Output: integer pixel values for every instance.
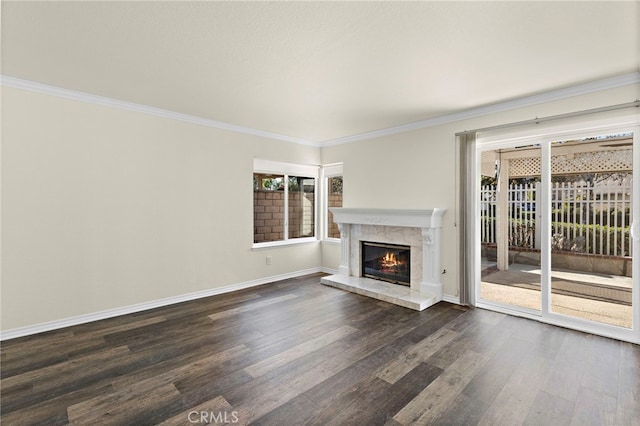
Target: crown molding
(46, 89)
(577, 90)
(554, 95)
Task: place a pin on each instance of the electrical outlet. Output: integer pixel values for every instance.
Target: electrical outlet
(268, 260)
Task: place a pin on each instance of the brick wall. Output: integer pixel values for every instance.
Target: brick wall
(335, 200)
(301, 214)
(268, 215)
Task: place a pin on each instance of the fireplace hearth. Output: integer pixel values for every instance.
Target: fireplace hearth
(418, 231)
(386, 262)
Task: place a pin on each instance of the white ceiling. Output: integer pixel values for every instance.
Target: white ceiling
(318, 71)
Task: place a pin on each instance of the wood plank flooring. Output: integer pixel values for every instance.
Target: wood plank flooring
(298, 352)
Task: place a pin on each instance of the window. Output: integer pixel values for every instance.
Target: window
(302, 204)
(284, 202)
(268, 207)
(333, 183)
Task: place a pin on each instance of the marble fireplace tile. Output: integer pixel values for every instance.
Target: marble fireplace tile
(381, 290)
(408, 236)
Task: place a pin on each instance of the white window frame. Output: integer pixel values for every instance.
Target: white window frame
(289, 169)
(328, 171)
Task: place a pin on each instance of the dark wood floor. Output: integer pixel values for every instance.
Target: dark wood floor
(297, 352)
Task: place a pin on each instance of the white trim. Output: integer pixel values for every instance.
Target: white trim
(329, 271)
(431, 218)
(333, 170)
(331, 241)
(125, 310)
(294, 169)
(451, 299)
(46, 89)
(503, 309)
(287, 242)
(554, 95)
(574, 128)
(600, 329)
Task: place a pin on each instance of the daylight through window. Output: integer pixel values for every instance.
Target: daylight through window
(284, 205)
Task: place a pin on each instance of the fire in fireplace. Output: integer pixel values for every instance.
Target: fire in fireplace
(387, 262)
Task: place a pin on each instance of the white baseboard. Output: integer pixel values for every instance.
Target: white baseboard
(328, 270)
(451, 299)
(110, 313)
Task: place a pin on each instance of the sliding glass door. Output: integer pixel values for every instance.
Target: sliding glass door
(555, 234)
(510, 256)
(590, 192)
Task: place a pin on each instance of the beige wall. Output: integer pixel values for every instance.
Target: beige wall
(104, 208)
(417, 170)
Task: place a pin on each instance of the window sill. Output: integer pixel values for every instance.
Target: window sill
(331, 241)
(292, 242)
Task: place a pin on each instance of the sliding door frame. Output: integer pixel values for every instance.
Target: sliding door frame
(544, 136)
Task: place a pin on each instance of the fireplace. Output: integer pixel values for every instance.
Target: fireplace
(416, 236)
(387, 262)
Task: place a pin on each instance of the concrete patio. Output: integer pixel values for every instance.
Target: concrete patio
(597, 297)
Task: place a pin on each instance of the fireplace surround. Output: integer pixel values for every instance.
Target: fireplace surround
(418, 229)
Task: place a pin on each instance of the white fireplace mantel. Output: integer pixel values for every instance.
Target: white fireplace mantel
(431, 218)
(418, 228)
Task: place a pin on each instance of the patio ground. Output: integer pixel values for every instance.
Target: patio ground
(597, 297)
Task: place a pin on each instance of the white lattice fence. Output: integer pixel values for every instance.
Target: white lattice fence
(579, 162)
(585, 218)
